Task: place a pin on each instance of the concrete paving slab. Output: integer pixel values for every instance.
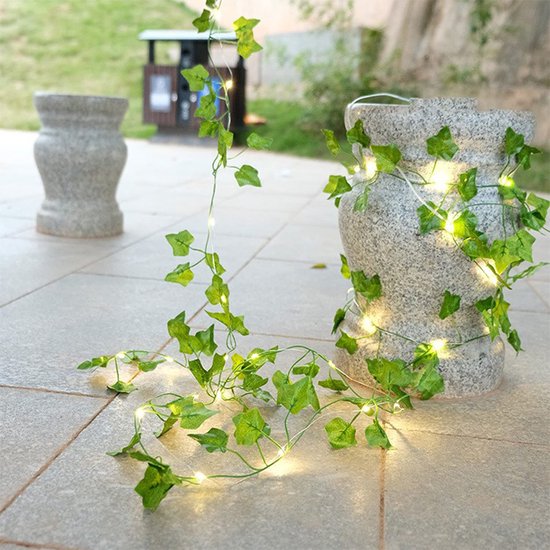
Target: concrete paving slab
(292, 507)
(9, 226)
(49, 332)
(137, 226)
(523, 297)
(34, 427)
(287, 298)
(320, 244)
(152, 258)
(542, 289)
(465, 493)
(241, 222)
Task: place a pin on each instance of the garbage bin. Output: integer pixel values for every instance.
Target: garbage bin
(167, 100)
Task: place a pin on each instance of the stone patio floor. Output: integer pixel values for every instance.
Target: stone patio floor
(463, 474)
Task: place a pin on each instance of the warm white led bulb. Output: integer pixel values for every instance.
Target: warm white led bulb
(223, 299)
(121, 355)
(370, 168)
(357, 169)
(438, 345)
(506, 181)
(139, 413)
(450, 223)
(211, 222)
(368, 326)
(281, 452)
(229, 84)
(368, 409)
(254, 356)
(200, 477)
(397, 408)
(331, 364)
(488, 273)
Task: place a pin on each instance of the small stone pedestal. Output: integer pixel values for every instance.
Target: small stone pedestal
(80, 155)
(416, 269)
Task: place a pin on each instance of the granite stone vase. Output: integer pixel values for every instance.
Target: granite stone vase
(80, 155)
(416, 269)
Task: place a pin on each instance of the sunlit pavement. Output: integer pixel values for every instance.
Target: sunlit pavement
(463, 474)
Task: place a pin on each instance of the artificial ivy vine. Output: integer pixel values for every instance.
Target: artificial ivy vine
(237, 380)
(497, 260)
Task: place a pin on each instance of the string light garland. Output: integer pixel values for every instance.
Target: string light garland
(236, 382)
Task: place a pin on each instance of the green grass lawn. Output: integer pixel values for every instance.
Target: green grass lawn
(78, 46)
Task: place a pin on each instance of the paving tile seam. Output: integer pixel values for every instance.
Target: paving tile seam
(57, 392)
(382, 500)
(55, 456)
(24, 544)
(539, 295)
(77, 270)
(290, 260)
(478, 437)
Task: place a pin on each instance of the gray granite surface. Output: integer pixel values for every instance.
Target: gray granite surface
(80, 155)
(416, 269)
(464, 473)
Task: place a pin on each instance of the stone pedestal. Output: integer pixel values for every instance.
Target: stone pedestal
(415, 269)
(80, 155)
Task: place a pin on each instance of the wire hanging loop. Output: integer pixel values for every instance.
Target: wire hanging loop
(347, 112)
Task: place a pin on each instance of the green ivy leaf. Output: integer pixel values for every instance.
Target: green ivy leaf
(344, 270)
(357, 135)
(247, 175)
(514, 340)
(253, 381)
(376, 435)
(102, 361)
(209, 128)
(513, 142)
(190, 413)
(512, 250)
(292, 396)
(442, 146)
(180, 242)
(231, 321)
(246, 45)
(225, 141)
(217, 292)
(430, 382)
(148, 366)
(467, 188)
(249, 427)
(311, 369)
(179, 329)
(200, 374)
(390, 373)
(157, 481)
(465, 225)
(425, 356)
(361, 202)
(207, 107)
(341, 434)
(122, 387)
(535, 218)
(213, 262)
(332, 143)
(523, 157)
(369, 287)
(451, 303)
(338, 318)
(256, 141)
(182, 274)
(428, 220)
(336, 186)
(136, 438)
(387, 157)
(334, 385)
(347, 342)
(528, 272)
(197, 78)
(213, 440)
(202, 23)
